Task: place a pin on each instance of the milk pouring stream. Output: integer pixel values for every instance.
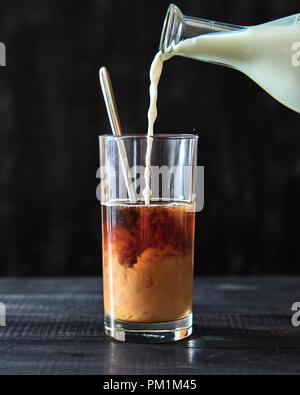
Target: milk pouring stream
(269, 54)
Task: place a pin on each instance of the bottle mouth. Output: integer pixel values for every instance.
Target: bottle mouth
(178, 27)
(172, 30)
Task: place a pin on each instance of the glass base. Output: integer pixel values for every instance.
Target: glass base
(159, 332)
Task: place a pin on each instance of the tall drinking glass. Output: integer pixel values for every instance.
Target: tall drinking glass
(148, 250)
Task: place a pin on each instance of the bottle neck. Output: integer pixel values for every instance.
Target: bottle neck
(178, 27)
(194, 27)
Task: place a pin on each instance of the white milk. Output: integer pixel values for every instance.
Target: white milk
(155, 73)
(269, 54)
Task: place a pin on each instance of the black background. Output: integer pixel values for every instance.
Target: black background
(51, 112)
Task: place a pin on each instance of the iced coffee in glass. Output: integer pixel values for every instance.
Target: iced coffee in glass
(148, 249)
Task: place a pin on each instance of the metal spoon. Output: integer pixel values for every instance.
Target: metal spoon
(110, 101)
(115, 124)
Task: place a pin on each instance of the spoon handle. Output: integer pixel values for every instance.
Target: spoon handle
(110, 101)
(115, 124)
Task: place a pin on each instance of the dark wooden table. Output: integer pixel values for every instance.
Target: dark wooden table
(242, 326)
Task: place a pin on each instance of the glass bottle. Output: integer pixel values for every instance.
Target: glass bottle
(268, 53)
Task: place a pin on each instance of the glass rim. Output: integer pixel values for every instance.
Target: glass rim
(181, 136)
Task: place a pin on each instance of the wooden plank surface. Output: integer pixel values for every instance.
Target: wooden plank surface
(242, 326)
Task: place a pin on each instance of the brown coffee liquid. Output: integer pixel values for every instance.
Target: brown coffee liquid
(148, 261)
